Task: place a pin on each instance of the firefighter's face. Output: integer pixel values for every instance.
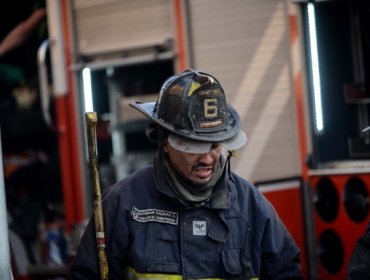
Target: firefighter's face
(197, 169)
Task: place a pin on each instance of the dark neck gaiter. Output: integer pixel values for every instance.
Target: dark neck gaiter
(195, 195)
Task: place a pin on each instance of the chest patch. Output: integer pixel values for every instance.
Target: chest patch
(199, 228)
(155, 215)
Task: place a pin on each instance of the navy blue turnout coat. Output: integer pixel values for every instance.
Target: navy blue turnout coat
(150, 235)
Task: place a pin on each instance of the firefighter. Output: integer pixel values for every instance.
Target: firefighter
(188, 216)
(358, 266)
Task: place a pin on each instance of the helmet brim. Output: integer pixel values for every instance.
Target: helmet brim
(231, 135)
(237, 142)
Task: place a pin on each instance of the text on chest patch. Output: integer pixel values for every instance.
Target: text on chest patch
(154, 215)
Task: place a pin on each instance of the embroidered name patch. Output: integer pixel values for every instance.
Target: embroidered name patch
(154, 215)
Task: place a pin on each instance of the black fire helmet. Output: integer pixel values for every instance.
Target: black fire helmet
(192, 105)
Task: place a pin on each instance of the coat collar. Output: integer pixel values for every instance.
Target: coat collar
(220, 199)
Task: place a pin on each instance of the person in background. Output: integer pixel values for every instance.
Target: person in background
(188, 216)
(359, 264)
(22, 29)
(29, 146)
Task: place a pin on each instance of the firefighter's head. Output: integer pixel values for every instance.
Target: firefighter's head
(192, 109)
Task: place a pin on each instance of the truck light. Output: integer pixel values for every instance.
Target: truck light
(86, 78)
(315, 68)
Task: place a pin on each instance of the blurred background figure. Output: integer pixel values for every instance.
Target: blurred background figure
(29, 145)
(22, 28)
(359, 265)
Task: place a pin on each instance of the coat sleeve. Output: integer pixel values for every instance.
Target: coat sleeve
(271, 249)
(85, 264)
(280, 253)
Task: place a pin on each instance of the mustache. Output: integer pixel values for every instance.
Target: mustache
(203, 165)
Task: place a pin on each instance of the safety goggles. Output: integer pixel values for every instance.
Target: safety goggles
(197, 147)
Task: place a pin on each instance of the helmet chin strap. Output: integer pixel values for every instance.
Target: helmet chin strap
(230, 154)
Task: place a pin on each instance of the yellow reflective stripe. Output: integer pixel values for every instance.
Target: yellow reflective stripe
(134, 275)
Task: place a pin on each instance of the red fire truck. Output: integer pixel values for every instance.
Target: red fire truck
(296, 71)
